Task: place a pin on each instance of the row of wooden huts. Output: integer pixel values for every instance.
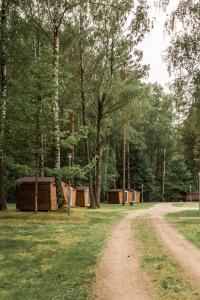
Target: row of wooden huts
(194, 196)
(115, 196)
(47, 197)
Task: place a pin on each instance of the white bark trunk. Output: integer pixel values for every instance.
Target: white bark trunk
(56, 100)
(3, 95)
(164, 171)
(124, 166)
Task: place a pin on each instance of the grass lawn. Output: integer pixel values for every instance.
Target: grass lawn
(188, 223)
(166, 276)
(187, 204)
(51, 256)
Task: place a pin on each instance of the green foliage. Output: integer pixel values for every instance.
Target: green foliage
(178, 178)
(110, 172)
(72, 139)
(13, 172)
(78, 172)
(183, 53)
(100, 83)
(191, 133)
(142, 173)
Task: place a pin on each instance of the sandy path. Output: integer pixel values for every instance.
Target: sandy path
(119, 276)
(185, 253)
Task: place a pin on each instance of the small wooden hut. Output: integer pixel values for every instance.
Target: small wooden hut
(115, 196)
(25, 193)
(193, 197)
(47, 197)
(82, 196)
(135, 196)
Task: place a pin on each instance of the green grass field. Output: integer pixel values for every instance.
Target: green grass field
(166, 276)
(187, 204)
(52, 256)
(188, 223)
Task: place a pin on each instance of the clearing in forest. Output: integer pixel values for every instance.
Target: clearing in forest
(52, 256)
(119, 275)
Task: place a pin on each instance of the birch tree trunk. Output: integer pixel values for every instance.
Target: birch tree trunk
(3, 95)
(41, 157)
(98, 151)
(124, 166)
(36, 50)
(72, 131)
(83, 107)
(164, 172)
(115, 161)
(128, 165)
(37, 158)
(56, 113)
(106, 169)
(40, 137)
(56, 97)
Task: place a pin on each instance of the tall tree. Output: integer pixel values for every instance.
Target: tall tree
(3, 91)
(112, 47)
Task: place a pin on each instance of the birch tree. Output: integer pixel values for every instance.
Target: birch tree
(3, 91)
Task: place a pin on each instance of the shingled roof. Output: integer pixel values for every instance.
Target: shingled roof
(33, 179)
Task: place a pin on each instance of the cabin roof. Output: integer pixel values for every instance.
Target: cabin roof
(115, 190)
(33, 179)
(43, 179)
(82, 188)
(121, 190)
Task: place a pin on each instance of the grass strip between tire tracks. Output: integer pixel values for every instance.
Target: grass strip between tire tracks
(166, 275)
(188, 223)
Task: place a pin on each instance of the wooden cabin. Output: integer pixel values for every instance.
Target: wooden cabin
(193, 197)
(115, 196)
(135, 196)
(82, 196)
(25, 193)
(47, 197)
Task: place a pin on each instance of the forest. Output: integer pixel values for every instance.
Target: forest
(72, 82)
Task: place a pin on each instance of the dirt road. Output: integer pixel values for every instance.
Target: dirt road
(185, 253)
(119, 276)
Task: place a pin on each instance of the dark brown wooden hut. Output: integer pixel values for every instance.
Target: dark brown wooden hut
(82, 196)
(193, 197)
(135, 196)
(47, 198)
(115, 196)
(25, 193)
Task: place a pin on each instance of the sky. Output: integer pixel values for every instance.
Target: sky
(154, 45)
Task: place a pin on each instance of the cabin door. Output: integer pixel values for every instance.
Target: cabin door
(88, 198)
(126, 197)
(70, 196)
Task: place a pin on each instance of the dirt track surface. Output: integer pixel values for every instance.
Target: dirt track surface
(185, 253)
(119, 276)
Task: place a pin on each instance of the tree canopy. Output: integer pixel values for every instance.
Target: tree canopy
(72, 81)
